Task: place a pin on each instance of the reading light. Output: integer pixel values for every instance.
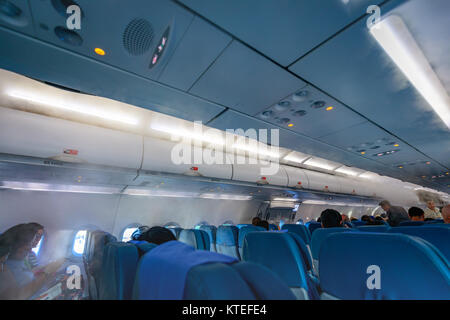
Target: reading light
(290, 125)
(396, 145)
(100, 51)
(80, 108)
(329, 108)
(395, 38)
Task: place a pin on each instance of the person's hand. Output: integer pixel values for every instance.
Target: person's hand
(52, 267)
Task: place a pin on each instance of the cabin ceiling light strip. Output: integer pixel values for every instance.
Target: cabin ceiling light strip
(286, 199)
(263, 151)
(294, 158)
(34, 186)
(347, 171)
(395, 38)
(181, 132)
(319, 164)
(79, 108)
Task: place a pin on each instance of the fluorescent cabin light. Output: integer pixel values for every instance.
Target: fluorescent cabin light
(285, 199)
(192, 134)
(347, 171)
(321, 164)
(79, 108)
(395, 38)
(265, 151)
(34, 186)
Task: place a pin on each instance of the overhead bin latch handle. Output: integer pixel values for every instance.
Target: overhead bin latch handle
(262, 181)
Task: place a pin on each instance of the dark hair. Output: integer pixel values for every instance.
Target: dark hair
(330, 218)
(415, 212)
(318, 219)
(256, 220)
(353, 219)
(157, 235)
(138, 232)
(378, 218)
(384, 202)
(365, 218)
(18, 236)
(35, 226)
(263, 224)
(5, 247)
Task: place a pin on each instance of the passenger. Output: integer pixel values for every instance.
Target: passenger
(446, 213)
(319, 219)
(138, 232)
(431, 212)
(345, 218)
(416, 214)
(157, 235)
(374, 222)
(394, 214)
(379, 218)
(31, 259)
(353, 219)
(263, 224)
(256, 220)
(330, 218)
(365, 218)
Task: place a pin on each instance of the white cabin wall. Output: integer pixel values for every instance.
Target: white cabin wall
(309, 212)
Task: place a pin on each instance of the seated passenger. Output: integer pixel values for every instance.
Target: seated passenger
(157, 235)
(416, 214)
(345, 218)
(365, 218)
(263, 224)
(138, 232)
(319, 219)
(330, 218)
(256, 221)
(446, 213)
(431, 212)
(394, 214)
(353, 219)
(31, 259)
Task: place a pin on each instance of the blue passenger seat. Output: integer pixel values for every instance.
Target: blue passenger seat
(227, 241)
(439, 237)
(376, 228)
(358, 223)
(280, 253)
(299, 229)
(243, 232)
(318, 238)
(197, 238)
(175, 230)
(118, 270)
(211, 231)
(273, 227)
(241, 225)
(312, 226)
(411, 223)
(396, 267)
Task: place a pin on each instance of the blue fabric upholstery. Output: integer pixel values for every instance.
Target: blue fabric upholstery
(434, 221)
(358, 223)
(411, 223)
(279, 252)
(143, 246)
(319, 237)
(299, 229)
(197, 238)
(227, 241)
(409, 267)
(273, 227)
(162, 272)
(175, 230)
(243, 232)
(439, 237)
(243, 225)
(312, 226)
(211, 231)
(118, 270)
(380, 228)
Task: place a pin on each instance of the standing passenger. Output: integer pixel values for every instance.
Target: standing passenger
(431, 212)
(446, 213)
(395, 214)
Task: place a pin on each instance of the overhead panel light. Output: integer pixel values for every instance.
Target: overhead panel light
(258, 149)
(296, 157)
(74, 107)
(192, 134)
(395, 38)
(286, 199)
(347, 171)
(321, 164)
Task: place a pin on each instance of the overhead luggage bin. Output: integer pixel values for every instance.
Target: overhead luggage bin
(347, 185)
(167, 156)
(260, 173)
(322, 181)
(40, 136)
(297, 177)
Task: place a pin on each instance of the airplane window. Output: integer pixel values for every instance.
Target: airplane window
(126, 236)
(79, 242)
(172, 224)
(38, 247)
(201, 223)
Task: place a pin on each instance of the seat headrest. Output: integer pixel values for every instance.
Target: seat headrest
(97, 241)
(358, 223)
(380, 228)
(278, 252)
(411, 223)
(365, 265)
(438, 237)
(227, 235)
(118, 270)
(319, 237)
(300, 230)
(312, 226)
(243, 225)
(196, 238)
(245, 230)
(176, 231)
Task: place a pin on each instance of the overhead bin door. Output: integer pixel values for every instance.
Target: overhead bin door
(173, 157)
(296, 177)
(322, 181)
(261, 173)
(28, 134)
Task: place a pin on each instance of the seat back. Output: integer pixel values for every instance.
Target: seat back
(312, 226)
(239, 226)
(175, 230)
(279, 252)
(358, 223)
(318, 237)
(197, 238)
(434, 221)
(273, 227)
(227, 241)
(211, 231)
(300, 230)
(243, 232)
(439, 237)
(94, 258)
(380, 228)
(118, 270)
(396, 267)
(411, 223)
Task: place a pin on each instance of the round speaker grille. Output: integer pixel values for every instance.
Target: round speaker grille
(137, 37)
